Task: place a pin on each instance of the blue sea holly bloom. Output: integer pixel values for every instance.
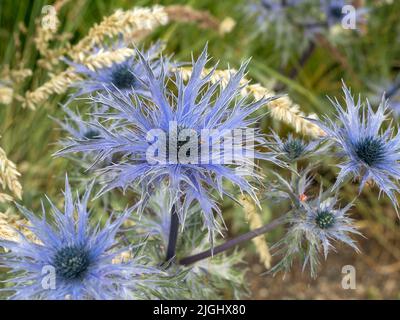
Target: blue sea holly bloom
(320, 223)
(314, 226)
(272, 13)
(71, 258)
(123, 76)
(337, 11)
(372, 153)
(293, 148)
(191, 134)
(79, 127)
(327, 223)
(333, 11)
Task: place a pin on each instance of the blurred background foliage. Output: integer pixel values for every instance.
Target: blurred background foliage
(371, 56)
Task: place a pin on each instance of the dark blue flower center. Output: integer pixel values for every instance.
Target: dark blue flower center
(370, 150)
(266, 4)
(325, 219)
(294, 148)
(71, 262)
(91, 134)
(123, 78)
(335, 11)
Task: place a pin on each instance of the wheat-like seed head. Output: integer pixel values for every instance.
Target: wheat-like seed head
(11, 224)
(9, 176)
(6, 95)
(57, 84)
(255, 222)
(121, 22)
(282, 108)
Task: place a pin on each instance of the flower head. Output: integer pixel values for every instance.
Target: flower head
(333, 11)
(326, 223)
(320, 225)
(372, 153)
(78, 128)
(314, 226)
(275, 20)
(182, 133)
(293, 149)
(71, 258)
(124, 76)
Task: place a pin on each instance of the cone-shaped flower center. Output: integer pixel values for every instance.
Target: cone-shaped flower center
(123, 78)
(91, 134)
(335, 11)
(293, 148)
(325, 219)
(71, 262)
(266, 4)
(370, 150)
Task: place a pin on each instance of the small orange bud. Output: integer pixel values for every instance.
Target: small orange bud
(303, 197)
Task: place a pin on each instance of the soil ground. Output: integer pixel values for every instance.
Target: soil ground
(377, 277)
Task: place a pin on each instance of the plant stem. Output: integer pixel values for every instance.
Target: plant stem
(233, 242)
(173, 234)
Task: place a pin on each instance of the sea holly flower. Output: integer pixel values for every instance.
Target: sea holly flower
(78, 127)
(124, 76)
(293, 148)
(372, 153)
(177, 134)
(321, 226)
(333, 11)
(275, 19)
(327, 224)
(314, 226)
(271, 11)
(73, 259)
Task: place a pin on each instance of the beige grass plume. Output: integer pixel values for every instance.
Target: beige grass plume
(11, 224)
(255, 222)
(60, 83)
(121, 22)
(6, 94)
(282, 108)
(134, 24)
(9, 178)
(10, 80)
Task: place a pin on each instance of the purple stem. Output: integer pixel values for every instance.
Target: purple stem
(233, 242)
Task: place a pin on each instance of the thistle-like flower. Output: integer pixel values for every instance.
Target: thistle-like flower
(314, 226)
(333, 11)
(372, 153)
(181, 133)
(281, 22)
(78, 128)
(320, 226)
(124, 76)
(72, 259)
(293, 149)
(328, 224)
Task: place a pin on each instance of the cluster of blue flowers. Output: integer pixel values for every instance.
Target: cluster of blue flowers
(134, 103)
